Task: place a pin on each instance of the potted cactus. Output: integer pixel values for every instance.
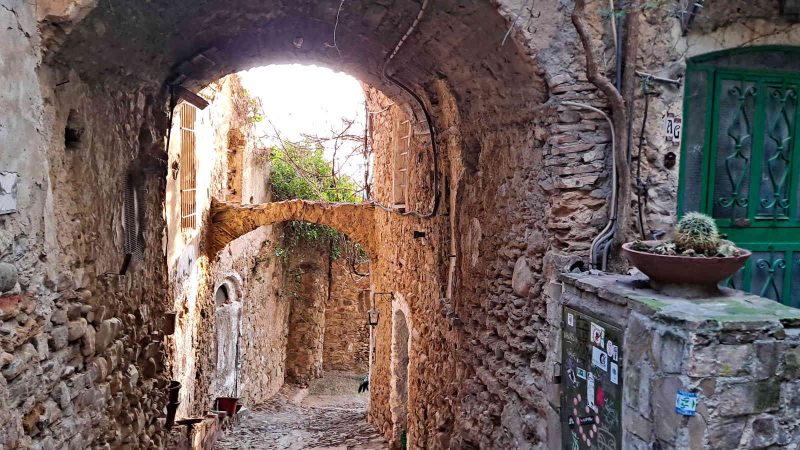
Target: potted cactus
(696, 255)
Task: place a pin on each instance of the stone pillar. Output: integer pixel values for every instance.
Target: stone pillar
(738, 352)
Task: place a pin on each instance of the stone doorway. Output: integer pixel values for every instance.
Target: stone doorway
(401, 342)
(227, 318)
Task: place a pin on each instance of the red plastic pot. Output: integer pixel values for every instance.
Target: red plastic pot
(227, 404)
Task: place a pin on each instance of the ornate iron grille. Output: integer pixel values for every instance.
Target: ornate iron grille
(742, 144)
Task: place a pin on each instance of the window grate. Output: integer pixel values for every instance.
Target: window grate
(188, 172)
(400, 176)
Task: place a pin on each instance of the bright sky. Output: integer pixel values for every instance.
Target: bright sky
(310, 100)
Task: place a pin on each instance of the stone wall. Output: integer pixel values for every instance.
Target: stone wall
(346, 343)
(520, 180)
(739, 352)
(248, 360)
(307, 288)
(81, 363)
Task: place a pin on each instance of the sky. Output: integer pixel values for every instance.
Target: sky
(300, 99)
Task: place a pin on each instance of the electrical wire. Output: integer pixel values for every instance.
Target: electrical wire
(428, 120)
(608, 231)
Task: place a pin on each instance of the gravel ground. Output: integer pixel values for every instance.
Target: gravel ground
(328, 414)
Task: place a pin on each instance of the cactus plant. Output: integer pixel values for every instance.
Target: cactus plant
(697, 232)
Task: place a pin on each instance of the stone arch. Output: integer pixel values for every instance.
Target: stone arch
(453, 43)
(228, 301)
(228, 221)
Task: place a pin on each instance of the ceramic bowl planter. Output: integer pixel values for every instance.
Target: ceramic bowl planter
(697, 271)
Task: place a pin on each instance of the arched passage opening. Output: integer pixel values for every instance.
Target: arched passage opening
(479, 95)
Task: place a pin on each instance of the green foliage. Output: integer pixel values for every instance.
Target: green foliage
(302, 172)
(697, 232)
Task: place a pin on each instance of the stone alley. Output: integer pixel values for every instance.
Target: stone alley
(328, 414)
(531, 224)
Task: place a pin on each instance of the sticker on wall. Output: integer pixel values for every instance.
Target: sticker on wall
(673, 128)
(590, 392)
(598, 335)
(600, 397)
(572, 378)
(686, 403)
(612, 350)
(613, 373)
(571, 319)
(581, 373)
(599, 359)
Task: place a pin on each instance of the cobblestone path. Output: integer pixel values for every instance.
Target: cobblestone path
(329, 414)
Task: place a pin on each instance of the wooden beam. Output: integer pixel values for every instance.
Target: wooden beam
(191, 98)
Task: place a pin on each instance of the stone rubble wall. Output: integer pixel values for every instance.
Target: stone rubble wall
(82, 365)
(306, 288)
(346, 343)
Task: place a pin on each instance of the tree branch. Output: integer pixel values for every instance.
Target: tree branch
(619, 116)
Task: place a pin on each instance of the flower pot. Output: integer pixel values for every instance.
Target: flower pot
(168, 323)
(227, 404)
(704, 272)
(174, 390)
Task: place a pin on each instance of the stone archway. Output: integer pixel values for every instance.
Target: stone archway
(230, 220)
(228, 300)
(123, 58)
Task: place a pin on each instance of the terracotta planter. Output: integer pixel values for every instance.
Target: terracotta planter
(684, 270)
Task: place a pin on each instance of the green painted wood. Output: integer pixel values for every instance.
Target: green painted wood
(751, 170)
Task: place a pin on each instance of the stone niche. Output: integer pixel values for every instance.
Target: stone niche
(738, 352)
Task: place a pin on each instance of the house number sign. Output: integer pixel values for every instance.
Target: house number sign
(673, 128)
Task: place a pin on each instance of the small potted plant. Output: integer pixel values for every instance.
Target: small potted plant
(696, 256)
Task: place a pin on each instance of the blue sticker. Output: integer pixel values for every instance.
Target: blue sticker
(686, 403)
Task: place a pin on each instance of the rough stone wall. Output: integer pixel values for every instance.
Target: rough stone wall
(306, 288)
(346, 343)
(81, 362)
(410, 274)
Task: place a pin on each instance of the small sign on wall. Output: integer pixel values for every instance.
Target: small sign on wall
(8, 192)
(673, 128)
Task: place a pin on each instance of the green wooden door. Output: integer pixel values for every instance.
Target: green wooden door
(750, 168)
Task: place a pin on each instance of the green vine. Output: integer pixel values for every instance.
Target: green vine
(300, 171)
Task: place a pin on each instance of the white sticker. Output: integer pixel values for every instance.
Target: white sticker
(598, 335)
(590, 391)
(673, 128)
(599, 359)
(581, 373)
(613, 372)
(570, 319)
(612, 350)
